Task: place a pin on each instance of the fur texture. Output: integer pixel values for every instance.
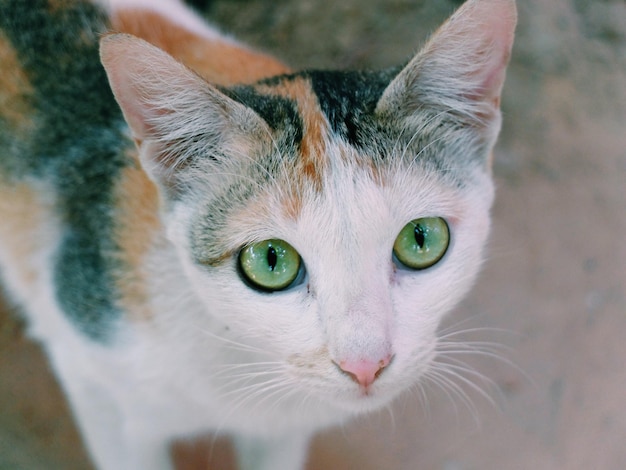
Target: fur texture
(127, 192)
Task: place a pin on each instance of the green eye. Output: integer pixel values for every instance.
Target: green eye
(422, 242)
(270, 265)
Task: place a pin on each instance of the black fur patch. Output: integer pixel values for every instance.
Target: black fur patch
(200, 5)
(281, 114)
(348, 100)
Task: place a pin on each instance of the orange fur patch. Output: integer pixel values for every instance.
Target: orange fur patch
(292, 205)
(313, 148)
(15, 88)
(313, 161)
(313, 151)
(137, 229)
(22, 212)
(218, 61)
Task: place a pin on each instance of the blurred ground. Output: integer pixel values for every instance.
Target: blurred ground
(555, 281)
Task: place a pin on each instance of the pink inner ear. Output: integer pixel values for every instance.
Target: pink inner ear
(462, 66)
(491, 25)
(115, 53)
(137, 70)
(473, 48)
(148, 84)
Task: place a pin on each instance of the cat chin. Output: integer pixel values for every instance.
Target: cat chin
(366, 401)
(348, 410)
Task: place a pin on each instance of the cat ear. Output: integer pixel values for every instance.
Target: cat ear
(461, 69)
(176, 118)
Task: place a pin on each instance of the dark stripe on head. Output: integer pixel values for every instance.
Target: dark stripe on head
(280, 113)
(348, 99)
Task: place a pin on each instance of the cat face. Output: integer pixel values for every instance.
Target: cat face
(352, 300)
(303, 207)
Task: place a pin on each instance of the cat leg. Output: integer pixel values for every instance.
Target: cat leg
(99, 419)
(111, 437)
(148, 451)
(286, 453)
(115, 440)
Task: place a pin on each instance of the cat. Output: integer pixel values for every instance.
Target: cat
(203, 240)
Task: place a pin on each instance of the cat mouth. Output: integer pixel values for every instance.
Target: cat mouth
(364, 399)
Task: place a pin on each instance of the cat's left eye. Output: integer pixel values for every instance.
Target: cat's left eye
(270, 265)
(422, 242)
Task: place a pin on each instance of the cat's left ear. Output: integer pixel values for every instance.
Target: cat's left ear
(461, 69)
(178, 120)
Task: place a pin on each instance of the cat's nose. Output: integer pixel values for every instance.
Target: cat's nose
(364, 372)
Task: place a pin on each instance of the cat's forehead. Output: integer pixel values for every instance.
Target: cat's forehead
(310, 112)
(354, 203)
(308, 109)
(331, 164)
(340, 98)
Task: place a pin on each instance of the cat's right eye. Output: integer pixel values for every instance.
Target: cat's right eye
(270, 265)
(422, 242)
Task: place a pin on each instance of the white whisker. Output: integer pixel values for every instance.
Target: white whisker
(234, 344)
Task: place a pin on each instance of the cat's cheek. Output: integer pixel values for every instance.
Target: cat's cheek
(420, 301)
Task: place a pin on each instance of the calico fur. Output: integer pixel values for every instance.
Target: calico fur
(141, 150)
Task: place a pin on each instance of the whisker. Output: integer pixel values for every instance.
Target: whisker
(457, 371)
(287, 388)
(423, 398)
(447, 388)
(392, 417)
(244, 378)
(447, 378)
(235, 344)
(448, 347)
(260, 395)
(243, 389)
(228, 367)
(453, 331)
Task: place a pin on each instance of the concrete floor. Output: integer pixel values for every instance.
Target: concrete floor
(553, 291)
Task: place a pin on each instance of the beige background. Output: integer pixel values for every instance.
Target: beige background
(553, 291)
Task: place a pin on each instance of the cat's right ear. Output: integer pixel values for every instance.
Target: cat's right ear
(460, 71)
(178, 120)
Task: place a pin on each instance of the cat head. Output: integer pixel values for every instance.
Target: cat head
(331, 218)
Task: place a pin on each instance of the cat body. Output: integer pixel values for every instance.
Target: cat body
(134, 190)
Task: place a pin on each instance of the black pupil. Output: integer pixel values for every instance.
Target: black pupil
(419, 236)
(272, 259)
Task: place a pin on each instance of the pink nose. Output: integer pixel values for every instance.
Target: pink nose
(364, 372)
